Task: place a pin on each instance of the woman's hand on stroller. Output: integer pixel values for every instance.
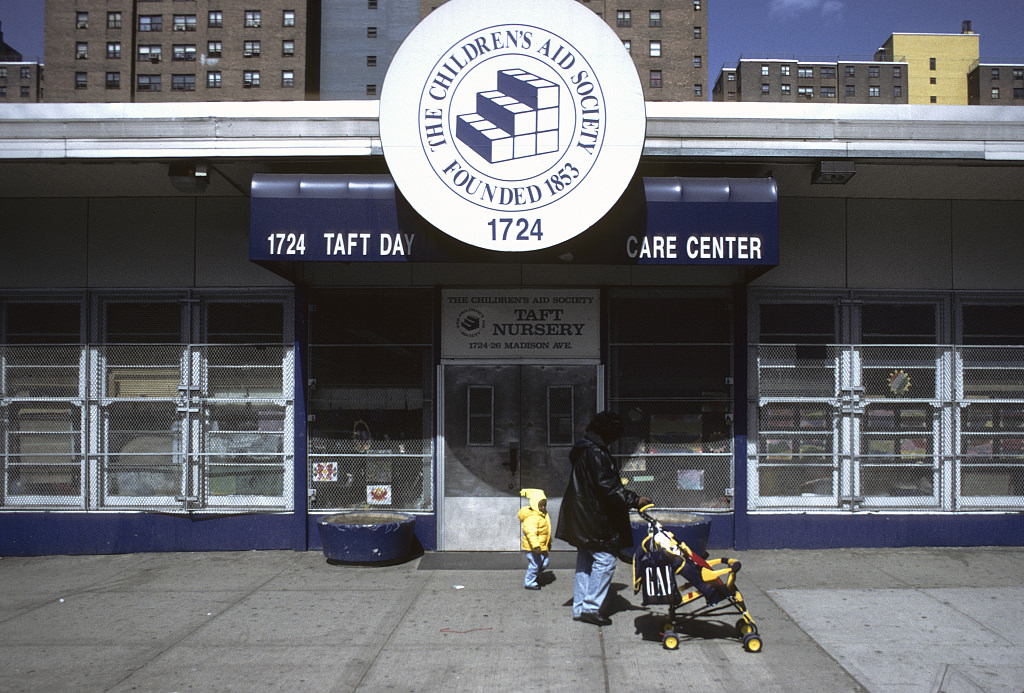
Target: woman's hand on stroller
(644, 503)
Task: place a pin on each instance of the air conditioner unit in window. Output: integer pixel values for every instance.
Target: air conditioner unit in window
(247, 83)
(154, 59)
(179, 27)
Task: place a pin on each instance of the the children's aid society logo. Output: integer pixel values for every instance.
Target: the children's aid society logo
(512, 126)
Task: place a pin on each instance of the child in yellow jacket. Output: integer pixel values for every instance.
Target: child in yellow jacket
(536, 524)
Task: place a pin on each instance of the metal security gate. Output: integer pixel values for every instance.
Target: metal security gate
(507, 427)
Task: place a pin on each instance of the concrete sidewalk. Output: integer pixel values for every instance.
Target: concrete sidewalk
(886, 621)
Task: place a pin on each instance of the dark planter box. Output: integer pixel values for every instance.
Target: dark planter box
(367, 537)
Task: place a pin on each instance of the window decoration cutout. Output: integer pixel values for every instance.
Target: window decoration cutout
(899, 382)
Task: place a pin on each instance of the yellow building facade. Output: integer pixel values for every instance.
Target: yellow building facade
(937, 65)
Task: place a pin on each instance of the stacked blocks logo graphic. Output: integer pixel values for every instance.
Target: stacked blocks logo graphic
(517, 120)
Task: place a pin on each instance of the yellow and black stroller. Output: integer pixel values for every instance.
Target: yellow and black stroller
(657, 562)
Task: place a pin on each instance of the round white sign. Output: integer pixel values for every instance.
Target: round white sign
(512, 126)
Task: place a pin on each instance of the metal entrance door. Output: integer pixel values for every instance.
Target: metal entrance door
(507, 427)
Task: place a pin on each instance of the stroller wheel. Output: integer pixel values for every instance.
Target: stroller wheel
(742, 627)
(670, 640)
(752, 642)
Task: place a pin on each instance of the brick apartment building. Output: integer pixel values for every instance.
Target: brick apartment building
(792, 81)
(996, 84)
(668, 44)
(21, 81)
(175, 50)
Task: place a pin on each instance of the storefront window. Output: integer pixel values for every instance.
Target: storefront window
(371, 403)
(922, 409)
(145, 415)
(670, 376)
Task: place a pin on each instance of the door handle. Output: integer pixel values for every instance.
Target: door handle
(513, 459)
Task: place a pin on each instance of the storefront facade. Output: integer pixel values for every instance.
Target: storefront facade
(810, 318)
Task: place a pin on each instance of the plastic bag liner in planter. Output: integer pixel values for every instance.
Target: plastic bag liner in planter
(693, 530)
(367, 536)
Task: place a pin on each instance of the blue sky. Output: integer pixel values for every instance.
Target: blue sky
(807, 29)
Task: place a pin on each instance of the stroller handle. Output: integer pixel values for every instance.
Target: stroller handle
(643, 512)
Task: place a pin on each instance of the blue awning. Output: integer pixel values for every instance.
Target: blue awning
(709, 221)
(363, 218)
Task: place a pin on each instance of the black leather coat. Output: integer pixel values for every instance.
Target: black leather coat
(595, 508)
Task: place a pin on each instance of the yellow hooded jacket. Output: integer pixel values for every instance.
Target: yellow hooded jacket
(536, 524)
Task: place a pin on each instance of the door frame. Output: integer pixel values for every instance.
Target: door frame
(441, 412)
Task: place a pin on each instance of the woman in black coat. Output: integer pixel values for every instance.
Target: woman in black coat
(594, 516)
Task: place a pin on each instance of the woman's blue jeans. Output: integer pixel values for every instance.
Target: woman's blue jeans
(594, 570)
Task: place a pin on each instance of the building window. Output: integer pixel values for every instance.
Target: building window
(113, 20)
(873, 71)
(213, 79)
(81, 51)
(186, 52)
(995, 93)
(26, 72)
(698, 33)
(81, 20)
(827, 73)
(784, 70)
(931, 63)
(114, 49)
(933, 99)
(730, 77)
(897, 92)
(765, 89)
(655, 79)
(897, 72)
(184, 22)
(371, 89)
(24, 92)
(805, 72)
(655, 49)
(214, 49)
(252, 18)
(371, 61)
(655, 18)
(628, 45)
(215, 19)
(932, 80)
(851, 90)
(371, 32)
(3, 72)
(697, 5)
(995, 73)
(827, 93)
(288, 18)
(251, 79)
(764, 70)
(806, 92)
(874, 91)
(251, 49)
(81, 80)
(149, 83)
(3, 91)
(113, 80)
(371, 4)
(150, 54)
(623, 18)
(287, 48)
(698, 90)
(698, 61)
(183, 82)
(151, 22)
(1018, 73)
(786, 89)
(851, 71)
(288, 78)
